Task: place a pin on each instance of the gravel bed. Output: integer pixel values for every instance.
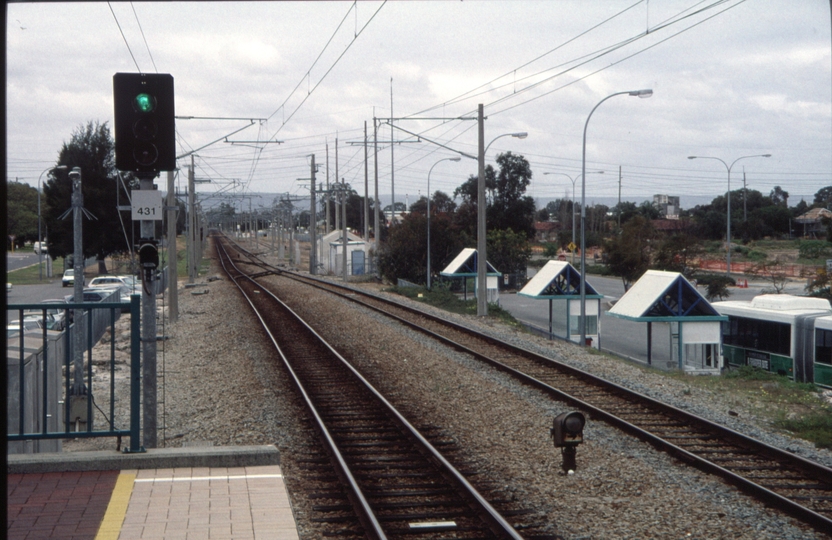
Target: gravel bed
(220, 387)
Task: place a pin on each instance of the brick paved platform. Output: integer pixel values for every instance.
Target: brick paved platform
(181, 502)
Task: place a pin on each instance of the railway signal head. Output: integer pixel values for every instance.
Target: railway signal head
(144, 122)
(568, 429)
(567, 434)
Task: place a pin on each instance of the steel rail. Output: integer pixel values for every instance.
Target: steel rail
(497, 521)
(821, 522)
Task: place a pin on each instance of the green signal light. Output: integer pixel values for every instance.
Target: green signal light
(144, 103)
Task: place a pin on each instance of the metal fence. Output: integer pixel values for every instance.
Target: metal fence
(40, 369)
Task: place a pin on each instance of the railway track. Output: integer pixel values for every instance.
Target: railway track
(389, 481)
(797, 486)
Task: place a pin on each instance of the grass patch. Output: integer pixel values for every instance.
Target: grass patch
(794, 407)
(31, 274)
(442, 298)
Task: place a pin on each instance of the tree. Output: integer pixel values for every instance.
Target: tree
(21, 212)
(508, 251)
(679, 253)
(823, 197)
(779, 197)
(92, 149)
(628, 254)
(404, 254)
(511, 208)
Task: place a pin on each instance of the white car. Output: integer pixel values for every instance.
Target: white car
(68, 279)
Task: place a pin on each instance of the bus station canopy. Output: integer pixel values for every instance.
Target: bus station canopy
(664, 296)
(557, 280)
(465, 265)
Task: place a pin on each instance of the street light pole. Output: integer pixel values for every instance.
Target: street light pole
(582, 322)
(482, 267)
(430, 171)
(40, 238)
(728, 202)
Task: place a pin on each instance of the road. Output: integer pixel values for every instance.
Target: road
(624, 338)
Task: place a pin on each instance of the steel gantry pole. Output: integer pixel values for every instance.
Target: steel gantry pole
(728, 202)
(582, 321)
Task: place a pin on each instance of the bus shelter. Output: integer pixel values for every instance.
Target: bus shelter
(693, 323)
(559, 281)
(464, 266)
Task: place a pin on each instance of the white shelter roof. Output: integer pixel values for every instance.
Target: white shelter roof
(660, 295)
(557, 279)
(465, 264)
(338, 236)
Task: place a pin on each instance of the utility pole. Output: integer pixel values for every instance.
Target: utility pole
(326, 210)
(191, 225)
(173, 294)
(344, 213)
(79, 390)
(313, 263)
(392, 162)
(366, 189)
(376, 224)
(744, 198)
(337, 176)
(482, 268)
(619, 196)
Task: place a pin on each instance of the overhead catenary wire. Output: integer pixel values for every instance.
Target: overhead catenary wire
(124, 37)
(144, 38)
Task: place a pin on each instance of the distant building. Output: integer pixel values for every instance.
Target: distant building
(667, 205)
(812, 222)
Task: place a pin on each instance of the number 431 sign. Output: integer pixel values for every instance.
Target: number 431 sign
(146, 205)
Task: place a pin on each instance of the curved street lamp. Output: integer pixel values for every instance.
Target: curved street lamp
(430, 171)
(582, 321)
(482, 301)
(728, 202)
(40, 240)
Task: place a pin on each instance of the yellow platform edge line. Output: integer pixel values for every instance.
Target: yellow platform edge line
(110, 527)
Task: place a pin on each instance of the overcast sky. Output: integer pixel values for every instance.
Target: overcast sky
(730, 79)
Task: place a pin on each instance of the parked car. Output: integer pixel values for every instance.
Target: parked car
(49, 319)
(29, 325)
(68, 279)
(99, 294)
(58, 321)
(8, 287)
(127, 285)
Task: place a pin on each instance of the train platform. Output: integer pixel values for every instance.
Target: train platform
(181, 493)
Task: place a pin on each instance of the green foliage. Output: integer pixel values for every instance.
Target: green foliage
(92, 149)
(628, 254)
(716, 285)
(21, 212)
(814, 249)
(442, 297)
(550, 249)
(510, 208)
(507, 251)
(816, 427)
